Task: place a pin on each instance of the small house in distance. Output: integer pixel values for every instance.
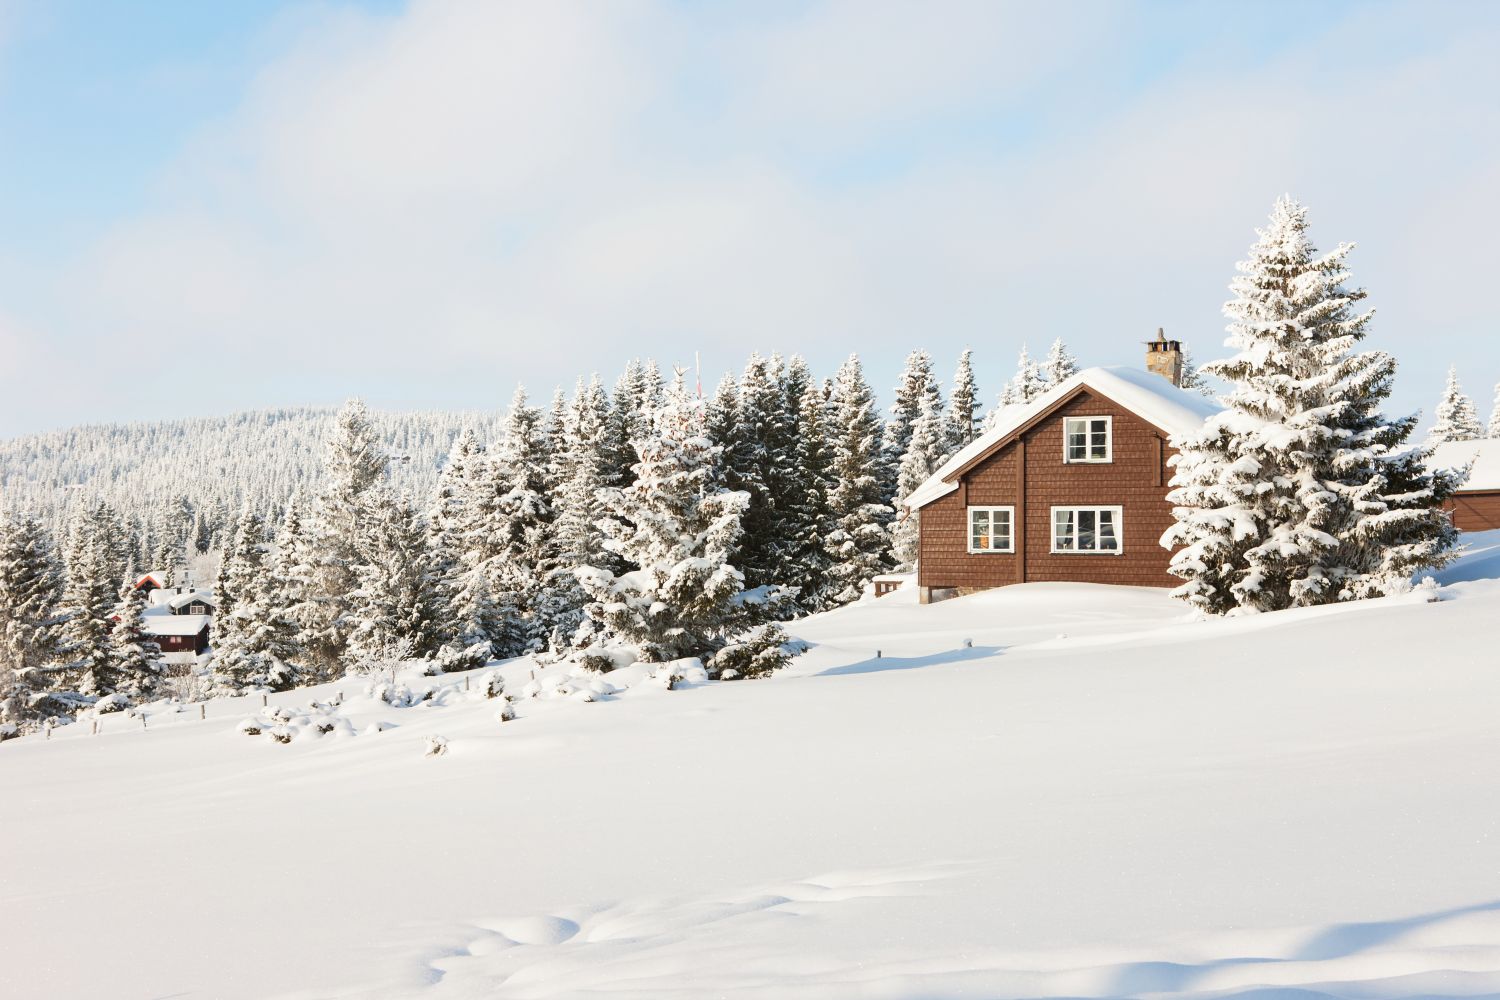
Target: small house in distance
(176, 618)
(1071, 487)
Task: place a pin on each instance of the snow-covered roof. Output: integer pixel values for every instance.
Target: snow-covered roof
(1148, 395)
(156, 576)
(174, 624)
(183, 600)
(1484, 453)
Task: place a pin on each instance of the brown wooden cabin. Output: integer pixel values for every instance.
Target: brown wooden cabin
(1476, 507)
(1070, 488)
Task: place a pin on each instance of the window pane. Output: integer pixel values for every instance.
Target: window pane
(1063, 529)
(1099, 439)
(1002, 529)
(980, 528)
(1107, 538)
(1085, 530)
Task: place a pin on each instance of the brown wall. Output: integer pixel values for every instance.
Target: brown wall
(1133, 480)
(1476, 511)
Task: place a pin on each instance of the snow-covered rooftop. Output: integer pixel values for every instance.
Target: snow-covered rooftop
(1484, 453)
(1153, 398)
(173, 624)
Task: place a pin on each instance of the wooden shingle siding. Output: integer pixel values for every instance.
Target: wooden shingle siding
(1478, 510)
(1029, 473)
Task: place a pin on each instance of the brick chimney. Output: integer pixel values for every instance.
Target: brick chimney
(1164, 357)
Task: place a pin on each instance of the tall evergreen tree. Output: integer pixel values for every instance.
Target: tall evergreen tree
(963, 404)
(93, 573)
(1059, 365)
(1302, 492)
(135, 657)
(395, 607)
(1026, 384)
(254, 636)
(924, 454)
(1457, 419)
(686, 598)
(916, 388)
(356, 461)
(810, 519)
(31, 590)
(860, 544)
(761, 467)
(1493, 431)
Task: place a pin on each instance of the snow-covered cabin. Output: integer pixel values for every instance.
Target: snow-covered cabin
(178, 620)
(1070, 487)
(1476, 507)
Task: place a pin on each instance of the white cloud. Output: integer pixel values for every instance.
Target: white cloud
(433, 205)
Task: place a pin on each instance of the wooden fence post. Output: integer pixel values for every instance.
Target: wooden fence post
(202, 711)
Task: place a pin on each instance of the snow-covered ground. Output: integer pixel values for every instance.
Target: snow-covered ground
(1048, 790)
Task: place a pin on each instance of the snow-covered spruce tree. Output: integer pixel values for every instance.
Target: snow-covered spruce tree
(1026, 384)
(963, 404)
(516, 524)
(355, 462)
(1493, 431)
(582, 463)
(1301, 492)
(452, 521)
(673, 522)
(1059, 364)
(289, 581)
(760, 466)
(917, 387)
(137, 658)
(1192, 376)
(1456, 417)
(810, 518)
(924, 454)
(94, 572)
(254, 638)
(860, 544)
(395, 607)
(31, 588)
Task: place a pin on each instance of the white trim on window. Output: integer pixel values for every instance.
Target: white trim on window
(983, 523)
(1095, 442)
(1088, 530)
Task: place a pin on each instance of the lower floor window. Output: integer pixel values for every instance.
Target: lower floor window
(989, 529)
(1086, 529)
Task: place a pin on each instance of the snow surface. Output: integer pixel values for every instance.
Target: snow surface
(1484, 453)
(1045, 790)
(1152, 397)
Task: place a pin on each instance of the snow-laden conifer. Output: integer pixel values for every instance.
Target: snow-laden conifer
(31, 589)
(810, 520)
(94, 573)
(925, 451)
(963, 404)
(1059, 365)
(687, 598)
(1192, 376)
(394, 607)
(859, 544)
(1026, 384)
(136, 657)
(761, 467)
(1456, 418)
(916, 388)
(1493, 431)
(1301, 491)
(254, 637)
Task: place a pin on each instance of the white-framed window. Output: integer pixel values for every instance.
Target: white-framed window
(1088, 439)
(1095, 530)
(992, 529)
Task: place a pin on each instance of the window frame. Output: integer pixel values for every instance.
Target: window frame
(991, 509)
(1117, 512)
(1109, 440)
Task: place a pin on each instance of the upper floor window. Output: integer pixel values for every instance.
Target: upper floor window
(1087, 439)
(990, 529)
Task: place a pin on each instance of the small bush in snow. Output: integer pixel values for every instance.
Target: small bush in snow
(250, 727)
(281, 734)
(451, 659)
(491, 684)
(436, 746)
(758, 654)
(111, 703)
(507, 712)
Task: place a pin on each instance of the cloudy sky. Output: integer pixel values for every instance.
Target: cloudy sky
(207, 207)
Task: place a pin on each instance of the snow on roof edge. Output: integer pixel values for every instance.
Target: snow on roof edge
(1150, 396)
(1483, 452)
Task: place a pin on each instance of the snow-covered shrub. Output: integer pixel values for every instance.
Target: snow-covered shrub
(250, 727)
(507, 712)
(396, 695)
(676, 673)
(280, 734)
(452, 659)
(9, 730)
(491, 684)
(757, 654)
(436, 746)
(111, 703)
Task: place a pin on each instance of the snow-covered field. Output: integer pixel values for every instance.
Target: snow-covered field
(1048, 790)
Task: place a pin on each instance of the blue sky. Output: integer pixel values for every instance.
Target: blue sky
(211, 207)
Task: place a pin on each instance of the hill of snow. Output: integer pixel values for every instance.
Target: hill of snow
(1047, 790)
